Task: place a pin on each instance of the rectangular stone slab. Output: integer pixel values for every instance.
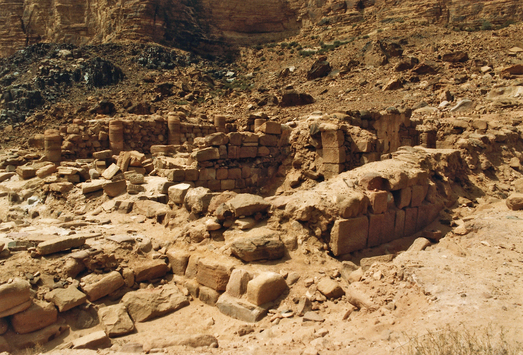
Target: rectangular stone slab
(60, 244)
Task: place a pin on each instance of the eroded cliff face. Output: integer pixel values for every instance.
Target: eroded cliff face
(209, 26)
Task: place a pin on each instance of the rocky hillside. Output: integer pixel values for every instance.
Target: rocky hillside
(211, 27)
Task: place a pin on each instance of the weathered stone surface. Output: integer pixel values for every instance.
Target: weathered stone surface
(348, 235)
(237, 285)
(66, 298)
(150, 269)
(240, 309)
(14, 294)
(60, 244)
(177, 192)
(146, 304)
(108, 283)
(5, 176)
(402, 197)
(247, 204)
(330, 288)
(266, 287)
(206, 154)
(261, 247)
(93, 341)
(216, 139)
(116, 320)
(150, 209)
(515, 201)
(213, 273)
(178, 260)
(197, 200)
(40, 315)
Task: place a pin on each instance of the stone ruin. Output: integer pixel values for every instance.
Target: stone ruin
(374, 188)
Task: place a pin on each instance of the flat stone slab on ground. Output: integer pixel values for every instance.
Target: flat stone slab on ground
(93, 341)
(66, 298)
(60, 244)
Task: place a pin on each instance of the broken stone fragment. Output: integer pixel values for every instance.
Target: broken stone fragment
(330, 288)
(263, 247)
(515, 201)
(248, 205)
(150, 269)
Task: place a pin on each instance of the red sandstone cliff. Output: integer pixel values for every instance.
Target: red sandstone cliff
(204, 24)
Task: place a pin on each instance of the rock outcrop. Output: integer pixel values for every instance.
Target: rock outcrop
(207, 25)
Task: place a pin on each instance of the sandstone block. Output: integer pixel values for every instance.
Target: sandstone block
(146, 304)
(411, 218)
(248, 205)
(419, 192)
(419, 245)
(177, 192)
(14, 294)
(60, 244)
(66, 298)
(206, 154)
(239, 309)
(103, 155)
(334, 155)
(178, 260)
(215, 139)
(237, 285)
(208, 174)
(150, 269)
(111, 171)
(192, 266)
(116, 320)
(399, 224)
(213, 274)
(46, 170)
(330, 288)
(26, 172)
(332, 138)
(40, 315)
(248, 152)
(266, 287)
(93, 186)
(348, 235)
(5, 176)
(113, 189)
(378, 201)
(197, 200)
(107, 284)
(270, 127)
(330, 170)
(263, 247)
(269, 140)
(176, 175)
(381, 228)
(402, 197)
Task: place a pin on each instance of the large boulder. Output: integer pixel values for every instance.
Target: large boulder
(515, 201)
